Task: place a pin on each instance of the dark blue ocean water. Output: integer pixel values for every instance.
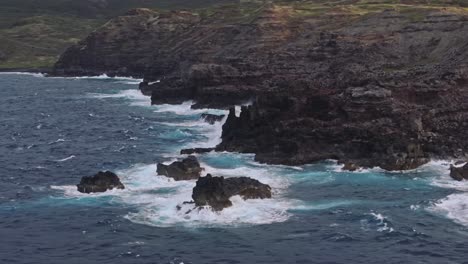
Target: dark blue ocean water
(56, 130)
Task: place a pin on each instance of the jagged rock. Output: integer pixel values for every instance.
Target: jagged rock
(100, 182)
(212, 119)
(459, 173)
(195, 151)
(187, 169)
(403, 164)
(216, 191)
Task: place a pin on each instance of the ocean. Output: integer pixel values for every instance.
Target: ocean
(56, 130)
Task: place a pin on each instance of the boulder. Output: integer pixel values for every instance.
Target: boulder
(195, 150)
(216, 191)
(212, 119)
(459, 173)
(100, 182)
(187, 169)
(349, 166)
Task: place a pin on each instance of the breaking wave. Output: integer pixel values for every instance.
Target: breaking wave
(133, 95)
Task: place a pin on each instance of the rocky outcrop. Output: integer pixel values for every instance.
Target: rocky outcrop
(384, 89)
(211, 119)
(216, 191)
(349, 166)
(195, 151)
(459, 173)
(101, 182)
(187, 169)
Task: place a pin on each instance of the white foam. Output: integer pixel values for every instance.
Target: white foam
(242, 212)
(383, 225)
(134, 95)
(58, 141)
(121, 79)
(157, 198)
(103, 77)
(23, 73)
(433, 166)
(379, 220)
(454, 206)
(441, 169)
(67, 158)
(134, 82)
(70, 191)
(335, 167)
(185, 109)
(212, 134)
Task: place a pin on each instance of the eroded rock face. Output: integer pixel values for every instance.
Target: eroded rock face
(211, 119)
(101, 182)
(187, 169)
(459, 173)
(216, 191)
(378, 90)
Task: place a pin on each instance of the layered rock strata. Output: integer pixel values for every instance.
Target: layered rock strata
(387, 89)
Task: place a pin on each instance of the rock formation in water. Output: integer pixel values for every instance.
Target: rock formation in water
(195, 151)
(211, 119)
(388, 88)
(101, 182)
(216, 191)
(187, 169)
(349, 166)
(459, 173)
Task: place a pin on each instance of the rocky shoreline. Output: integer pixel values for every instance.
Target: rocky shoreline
(384, 89)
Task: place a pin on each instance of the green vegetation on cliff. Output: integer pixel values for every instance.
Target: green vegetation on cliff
(34, 33)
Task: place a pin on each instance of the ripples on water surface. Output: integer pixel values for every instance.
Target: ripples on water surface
(55, 130)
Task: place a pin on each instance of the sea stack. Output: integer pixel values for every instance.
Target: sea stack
(101, 182)
(216, 191)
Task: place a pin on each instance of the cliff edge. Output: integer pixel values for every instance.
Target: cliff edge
(373, 84)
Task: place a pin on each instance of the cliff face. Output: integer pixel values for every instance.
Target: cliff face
(386, 88)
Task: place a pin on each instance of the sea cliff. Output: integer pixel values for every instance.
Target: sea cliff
(369, 84)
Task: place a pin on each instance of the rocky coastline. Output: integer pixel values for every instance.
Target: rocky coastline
(383, 89)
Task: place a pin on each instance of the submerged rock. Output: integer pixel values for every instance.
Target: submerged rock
(212, 119)
(216, 191)
(187, 169)
(459, 173)
(195, 150)
(100, 182)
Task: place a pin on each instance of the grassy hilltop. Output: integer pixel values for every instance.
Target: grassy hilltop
(33, 33)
